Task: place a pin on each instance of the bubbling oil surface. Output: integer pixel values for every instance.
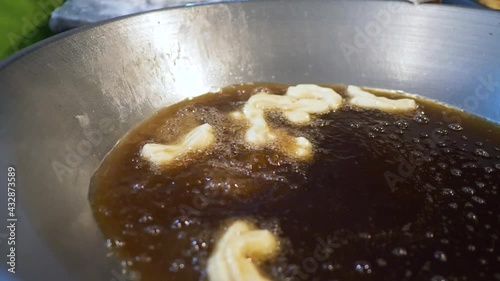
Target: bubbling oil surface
(387, 196)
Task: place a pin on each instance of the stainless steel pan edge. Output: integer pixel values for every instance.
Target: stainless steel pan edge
(66, 102)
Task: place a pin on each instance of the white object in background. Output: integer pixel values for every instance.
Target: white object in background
(75, 13)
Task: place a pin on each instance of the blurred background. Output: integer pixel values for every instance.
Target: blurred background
(25, 22)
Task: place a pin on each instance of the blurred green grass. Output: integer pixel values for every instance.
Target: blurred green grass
(23, 23)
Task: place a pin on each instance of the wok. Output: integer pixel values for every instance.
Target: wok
(66, 101)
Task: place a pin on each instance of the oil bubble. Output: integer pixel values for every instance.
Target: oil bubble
(362, 267)
(143, 258)
(399, 252)
(381, 262)
(441, 131)
(468, 190)
(448, 192)
(377, 129)
(442, 165)
(456, 172)
(402, 124)
(481, 152)
(480, 184)
(440, 256)
(472, 216)
(455, 127)
(355, 125)
(364, 235)
(153, 230)
(422, 119)
(177, 266)
(145, 219)
(478, 200)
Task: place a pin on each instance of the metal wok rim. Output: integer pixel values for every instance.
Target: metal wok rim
(6, 62)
